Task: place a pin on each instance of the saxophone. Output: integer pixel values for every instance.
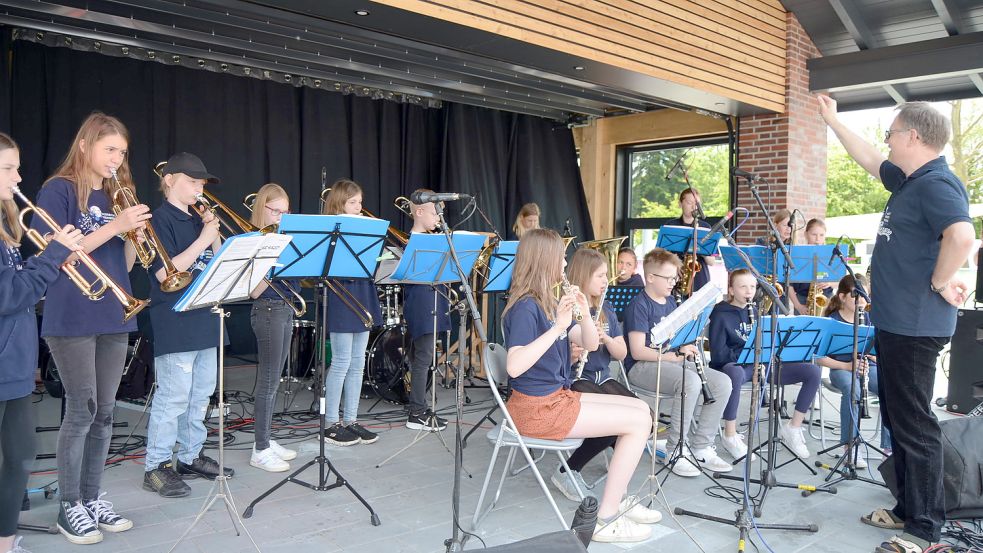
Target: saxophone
(816, 301)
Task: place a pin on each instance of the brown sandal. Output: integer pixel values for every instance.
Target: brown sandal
(883, 518)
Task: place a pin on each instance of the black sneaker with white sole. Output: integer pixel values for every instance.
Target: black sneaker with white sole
(76, 524)
(203, 466)
(426, 421)
(365, 435)
(103, 514)
(337, 434)
(165, 481)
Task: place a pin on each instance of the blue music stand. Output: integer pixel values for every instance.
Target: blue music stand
(760, 257)
(620, 296)
(426, 259)
(692, 330)
(813, 261)
(839, 340)
(798, 339)
(679, 239)
(500, 267)
(331, 246)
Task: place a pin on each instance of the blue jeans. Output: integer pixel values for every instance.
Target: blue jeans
(345, 374)
(848, 409)
(185, 380)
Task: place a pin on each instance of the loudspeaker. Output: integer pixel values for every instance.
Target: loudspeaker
(966, 362)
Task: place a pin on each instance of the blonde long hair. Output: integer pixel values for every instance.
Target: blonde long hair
(538, 267)
(583, 264)
(341, 191)
(525, 211)
(9, 207)
(75, 167)
(267, 193)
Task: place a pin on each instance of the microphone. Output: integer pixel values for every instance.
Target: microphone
(676, 165)
(434, 197)
(324, 177)
(717, 227)
(567, 233)
(738, 172)
(835, 249)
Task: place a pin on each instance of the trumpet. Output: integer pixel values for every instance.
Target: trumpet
(147, 250)
(298, 304)
(93, 290)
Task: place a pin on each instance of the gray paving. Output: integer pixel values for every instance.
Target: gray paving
(412, 495)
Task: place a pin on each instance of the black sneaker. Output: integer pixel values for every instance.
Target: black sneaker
(426, 421)
(203, 466)
(103, 514)
(165, 481)
(76, 524)
(441, 423)
(341, 435)
(365, 436)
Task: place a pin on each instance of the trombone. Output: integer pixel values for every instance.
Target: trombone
(93, 290)
(150, 248)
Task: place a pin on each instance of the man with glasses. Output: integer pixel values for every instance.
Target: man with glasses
(648, 308)
(925, 235)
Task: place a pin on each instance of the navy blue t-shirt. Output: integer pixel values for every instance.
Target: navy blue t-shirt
(641, 315)
(729, 328)
(920, 208)
(192, 330)
(522, 324)
(703, 275)
(596, 368)
(635, 280)
(418, 307)
(341, 318)
(66, 311)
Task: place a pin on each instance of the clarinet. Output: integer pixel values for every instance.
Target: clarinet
(864, 410)
(698, 363)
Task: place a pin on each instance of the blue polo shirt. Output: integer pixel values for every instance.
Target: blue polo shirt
(192, 330)
(418, 307)
(703, 275)
(341, 318)
(641, 315)
(522, 324)
(596, 368)
(920, 208)
(66, 311)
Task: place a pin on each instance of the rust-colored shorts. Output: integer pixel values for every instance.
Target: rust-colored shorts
(548, 417)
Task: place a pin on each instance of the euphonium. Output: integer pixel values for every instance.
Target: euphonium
(609, 249)
(151, 247)
(93, 290)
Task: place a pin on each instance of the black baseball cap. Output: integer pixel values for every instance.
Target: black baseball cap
(190, 165)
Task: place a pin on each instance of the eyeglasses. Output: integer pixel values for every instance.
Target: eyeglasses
(671, 279)
(889, 132)
(277, 212)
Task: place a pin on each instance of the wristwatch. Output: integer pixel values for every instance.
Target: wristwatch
(937, 290)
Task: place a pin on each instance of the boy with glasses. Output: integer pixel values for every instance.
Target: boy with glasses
(655, 302)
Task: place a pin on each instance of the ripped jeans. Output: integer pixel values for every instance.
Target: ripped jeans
(185, 381)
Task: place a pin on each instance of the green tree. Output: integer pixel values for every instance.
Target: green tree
(967, 145)
(653, 196)
(850, 190)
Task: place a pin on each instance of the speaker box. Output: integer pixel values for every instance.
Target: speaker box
(966, 362)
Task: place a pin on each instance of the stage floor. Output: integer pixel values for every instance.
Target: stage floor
(412, 494)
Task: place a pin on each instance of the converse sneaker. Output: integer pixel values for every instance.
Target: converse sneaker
(793, 437)
(365, 435)
(635, 511)
(861, 462)
(711, 461)
(621, 529)
(562, 482)
(268, 460)
(165, 481)
(340, 435)
(203, 466)
(76, 524)
(282, 452)
(103, 514)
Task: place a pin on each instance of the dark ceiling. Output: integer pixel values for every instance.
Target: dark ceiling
(389, 50)
(881, 52)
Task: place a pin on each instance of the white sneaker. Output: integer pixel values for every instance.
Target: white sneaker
(683, 466)
(861, 462)
(562, 482)
(795, 439)
(621, 529)
(268, 460)
(282, 452)
(734, 445)
(634, 510)
(711, 461)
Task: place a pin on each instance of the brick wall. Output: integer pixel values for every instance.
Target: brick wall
(787, 149)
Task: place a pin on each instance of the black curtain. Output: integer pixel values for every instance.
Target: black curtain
(250, 131)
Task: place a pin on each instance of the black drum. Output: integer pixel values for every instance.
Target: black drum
(300, 363)
(388, 369)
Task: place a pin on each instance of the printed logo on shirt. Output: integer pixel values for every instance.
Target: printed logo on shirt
(13, 254)
(203, 259)
(93, 219)
(882, 229)
(744, 330)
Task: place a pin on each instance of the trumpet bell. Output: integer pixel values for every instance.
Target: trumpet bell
(132, 307)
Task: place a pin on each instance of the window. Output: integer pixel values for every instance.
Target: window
(647, 199)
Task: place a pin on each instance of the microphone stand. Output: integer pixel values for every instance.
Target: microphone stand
(846, 466)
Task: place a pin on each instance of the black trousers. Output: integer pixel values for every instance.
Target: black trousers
(16, 456)
(593, 446)
(906, 379)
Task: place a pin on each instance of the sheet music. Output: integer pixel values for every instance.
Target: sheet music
(686, 312)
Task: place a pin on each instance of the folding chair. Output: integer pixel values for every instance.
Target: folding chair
(505, 434)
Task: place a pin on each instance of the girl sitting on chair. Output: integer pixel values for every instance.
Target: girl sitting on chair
(539, 366)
